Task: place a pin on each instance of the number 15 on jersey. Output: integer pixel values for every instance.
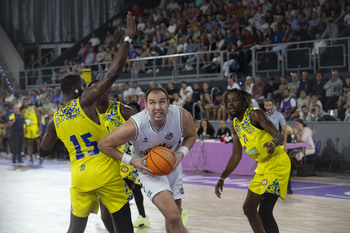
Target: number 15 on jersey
(87, 142)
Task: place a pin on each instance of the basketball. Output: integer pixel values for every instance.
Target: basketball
(160, 160)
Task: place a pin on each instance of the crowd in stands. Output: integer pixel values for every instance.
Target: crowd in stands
(308, 99)
(176, 27)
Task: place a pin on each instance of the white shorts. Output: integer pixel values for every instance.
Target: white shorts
(155, 184)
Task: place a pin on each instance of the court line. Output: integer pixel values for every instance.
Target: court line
(337, 196)
(314, 187)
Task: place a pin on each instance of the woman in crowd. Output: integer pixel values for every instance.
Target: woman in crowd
(248, 86)
(302, 133)
(206, 130)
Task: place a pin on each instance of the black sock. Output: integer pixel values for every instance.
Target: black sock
(267, 204)
(139, 200)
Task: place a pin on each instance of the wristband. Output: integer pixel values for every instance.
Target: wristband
(273, 144)
(126, 159)
(184, 150)
(128, 39)
(221, 178)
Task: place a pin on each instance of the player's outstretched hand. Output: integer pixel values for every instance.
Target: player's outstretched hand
(219, 187)
(140, 165)
(270, 147)
(130, 29)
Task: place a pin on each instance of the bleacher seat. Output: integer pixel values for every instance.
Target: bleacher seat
(310, 161)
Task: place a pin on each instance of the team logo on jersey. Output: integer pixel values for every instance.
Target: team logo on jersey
(264, 182)
(82, 167)
(125, 169)
(169, 136)
(145, 139)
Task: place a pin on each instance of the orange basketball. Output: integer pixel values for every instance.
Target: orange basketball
(160, 160)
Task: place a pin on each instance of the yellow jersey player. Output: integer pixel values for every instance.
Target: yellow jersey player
(79, 126)
(259, 138)
(114, 114)
(32, 128)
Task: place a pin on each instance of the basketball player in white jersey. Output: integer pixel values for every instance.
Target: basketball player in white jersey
(160, 124)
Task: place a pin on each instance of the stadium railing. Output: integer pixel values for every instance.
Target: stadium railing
(298, 56)
(192, 70)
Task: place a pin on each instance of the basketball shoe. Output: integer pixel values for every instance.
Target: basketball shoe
(141, 221)
(184, 216)
(31, 160)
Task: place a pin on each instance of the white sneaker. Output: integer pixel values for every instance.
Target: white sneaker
(149, 71)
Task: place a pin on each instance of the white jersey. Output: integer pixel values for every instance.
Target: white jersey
(146, 137)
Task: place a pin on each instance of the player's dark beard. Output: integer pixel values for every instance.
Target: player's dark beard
(234, 115)
(238, 112)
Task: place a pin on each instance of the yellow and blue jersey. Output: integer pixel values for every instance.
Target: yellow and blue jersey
(272, 172)
(30, 114)
(252, 138)
(90, 167)
(113, 118)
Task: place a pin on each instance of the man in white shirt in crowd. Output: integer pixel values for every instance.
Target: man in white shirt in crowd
(177, 100)
(232, 84)
(135, 90)
(172, 26)
(317, 50)
(127, 90)
(94, 40)
(185, 90)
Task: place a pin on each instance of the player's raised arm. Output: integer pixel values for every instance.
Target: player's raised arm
(91, 94)
(232, 163)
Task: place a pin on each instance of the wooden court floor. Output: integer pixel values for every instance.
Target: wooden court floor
(35, 199)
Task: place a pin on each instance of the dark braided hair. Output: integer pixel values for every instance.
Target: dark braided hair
(68, 81)
(245, 97)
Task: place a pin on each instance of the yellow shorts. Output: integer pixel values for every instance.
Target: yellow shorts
(127, 172)
(272, 177)
(114, 195)
(31, 131)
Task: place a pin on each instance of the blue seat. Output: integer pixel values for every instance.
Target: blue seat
(317, 150)
(313, 158)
